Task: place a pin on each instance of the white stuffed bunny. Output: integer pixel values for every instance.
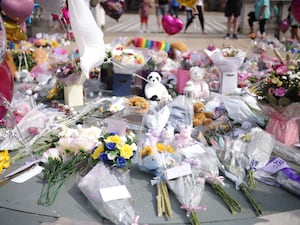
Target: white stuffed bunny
(197, 83)
(154, 89)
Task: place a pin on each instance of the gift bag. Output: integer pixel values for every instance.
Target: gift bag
(285, 130)
(182, 77)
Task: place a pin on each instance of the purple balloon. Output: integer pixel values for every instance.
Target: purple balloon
(171, 24)
(114, 8)
(17, 10)
(284, 25)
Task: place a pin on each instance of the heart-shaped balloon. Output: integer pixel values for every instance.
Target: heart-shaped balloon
(171, 24)
(284, 25)
(114, 8)
(6, 87)
(18, 10)
(296, 9)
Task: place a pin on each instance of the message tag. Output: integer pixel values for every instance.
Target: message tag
(178, 171)
(115, 125)
(114, 193)
(190, 151)
(28, 174)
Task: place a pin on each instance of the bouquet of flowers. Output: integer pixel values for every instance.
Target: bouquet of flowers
(71, 155)
(116, 150)
(155, 158)
(189, 191)
(205, 164)
(69, 73)
(189, 59)
(281, 86)
(113, 154)
(118, 209)
(227, 59)
(127, 60)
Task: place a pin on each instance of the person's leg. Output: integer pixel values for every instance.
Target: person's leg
(251, 21)
(201, 17)
(189, 19)
(235, 24)
(262, 24)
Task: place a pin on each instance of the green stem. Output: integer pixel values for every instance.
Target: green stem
(194, 218)
(250, 179)
(230, 202)
(254, 204)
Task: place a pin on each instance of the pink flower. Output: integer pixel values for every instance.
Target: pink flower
(281, 69)
(280, 91)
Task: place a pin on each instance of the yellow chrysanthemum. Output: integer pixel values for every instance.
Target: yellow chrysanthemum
(161, 147)
(54, 44)
(126, 151)
(98, 151)
(113, 138)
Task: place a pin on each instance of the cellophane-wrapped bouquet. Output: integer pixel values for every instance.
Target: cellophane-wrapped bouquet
(118, 211)
(114, 154)
(205, 164)
(227, 59)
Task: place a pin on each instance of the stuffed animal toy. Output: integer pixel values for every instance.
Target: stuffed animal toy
(154, 89)
(200, 116)
(200, 86)
(183, 138)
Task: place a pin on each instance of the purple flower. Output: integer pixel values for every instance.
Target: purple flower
(121, 162)
(110, 146)
(280, 91)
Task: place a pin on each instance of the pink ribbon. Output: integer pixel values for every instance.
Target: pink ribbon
(219, 179)
(136, 220)
(190, 209)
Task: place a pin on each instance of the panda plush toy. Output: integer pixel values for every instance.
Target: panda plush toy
(154, 89)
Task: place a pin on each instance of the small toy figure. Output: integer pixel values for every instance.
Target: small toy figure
(197, 83)
(155, 90)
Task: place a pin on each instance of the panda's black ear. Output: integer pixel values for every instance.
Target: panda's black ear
(160, 74)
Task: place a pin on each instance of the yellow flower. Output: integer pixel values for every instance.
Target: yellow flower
(126, 151)
(54, 44)
(4, 160)
(52, 93)
(98, 151)
(113, 138)
(170, 149)
(161, 147)
(147, 150)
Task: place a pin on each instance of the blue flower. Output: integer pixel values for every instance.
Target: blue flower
(113, 133)
(121, 162)
(110, 146)
(103, 157)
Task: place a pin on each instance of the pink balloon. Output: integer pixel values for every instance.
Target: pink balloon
(171, 24)
(296, 9)
(18, 10)
(284, 25)
(6, 87)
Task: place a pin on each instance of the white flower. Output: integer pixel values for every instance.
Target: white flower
(50, 153)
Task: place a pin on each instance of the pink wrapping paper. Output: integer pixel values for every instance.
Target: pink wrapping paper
(285, 130)
(182, 77)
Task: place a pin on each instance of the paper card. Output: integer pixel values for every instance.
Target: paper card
(178, 171)
(28, 174)
(24, 167)
(116, 125)
(114, 193)
(190, 151)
